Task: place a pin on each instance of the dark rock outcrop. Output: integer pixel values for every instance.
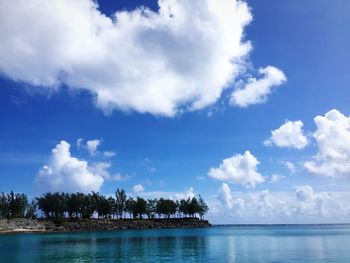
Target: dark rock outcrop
(72, 225)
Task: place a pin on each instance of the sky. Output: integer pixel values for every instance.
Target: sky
(243, 102)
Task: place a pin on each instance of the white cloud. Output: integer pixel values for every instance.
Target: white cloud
(310, 203)
(101, 168)
(304, 193)
(250, 206)
(92, 146)
(290, 166)
(187, 193)
(304, 205)
(241, 169)
(120, 177)
(138, 188)
(256, 91)
(333, 142)
(137, 60)
(109, 154)
(289, 135)
(276, 178)
(80, 143)
(64, 172)
(225, 196)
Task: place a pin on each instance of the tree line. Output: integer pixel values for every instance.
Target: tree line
(80, 205)
(16, 205)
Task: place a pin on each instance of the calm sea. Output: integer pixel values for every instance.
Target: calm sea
(303, 243)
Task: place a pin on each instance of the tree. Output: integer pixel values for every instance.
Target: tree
(203, 207)
(112, 210)
(57, 206)
(140, 207)
(31, 210)
(53, 205)
(4, 207)
(75, 204)
(151, 207)
(184, 207)
(166, 207)
(88, 207)
(193, 207)
(104, 206)
(130, 207)
(17, 204)
(44, 204)
(120, 202)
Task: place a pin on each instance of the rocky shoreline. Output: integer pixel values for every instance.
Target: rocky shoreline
(84, 225)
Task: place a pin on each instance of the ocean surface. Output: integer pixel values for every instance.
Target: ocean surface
(293, 243)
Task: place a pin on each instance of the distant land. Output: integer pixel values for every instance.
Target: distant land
(23, 225)
(66, 212)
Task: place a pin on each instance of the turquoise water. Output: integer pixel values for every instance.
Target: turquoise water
(307, 244)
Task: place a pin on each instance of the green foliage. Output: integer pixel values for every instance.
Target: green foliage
(88, 206)
(203, 207)
(104, 206)
(57, 206)
(130, 207)
(120, 202)
(13, 205)
(31, 210)
(166, 207)
(53, 205)
(4, 206)
(151, 207)
(75, 204)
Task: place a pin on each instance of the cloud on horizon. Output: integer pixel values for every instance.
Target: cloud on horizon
(304, 205)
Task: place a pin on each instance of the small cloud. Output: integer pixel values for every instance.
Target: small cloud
(276, 178)
(92, 146)
(138, 188)
(240, 169)
(109, 154)
(148, 164)
(120, 177)
(79, 143)
(289, 135)
(201, 178)
(256, 91)
(290, 166)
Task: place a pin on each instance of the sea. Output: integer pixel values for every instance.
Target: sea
(258, 243)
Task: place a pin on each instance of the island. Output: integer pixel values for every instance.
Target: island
(75, 212)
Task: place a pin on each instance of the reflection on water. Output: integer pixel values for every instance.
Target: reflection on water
(217, 244)
(163, 248)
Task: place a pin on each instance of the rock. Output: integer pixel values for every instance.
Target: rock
(69, 225)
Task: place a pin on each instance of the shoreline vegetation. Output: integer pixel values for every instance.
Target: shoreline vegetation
(76, 212)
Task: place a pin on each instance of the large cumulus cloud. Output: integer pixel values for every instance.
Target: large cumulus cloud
(333, 142)
(180, 57)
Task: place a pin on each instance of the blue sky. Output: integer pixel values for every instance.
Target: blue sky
(161, 140)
